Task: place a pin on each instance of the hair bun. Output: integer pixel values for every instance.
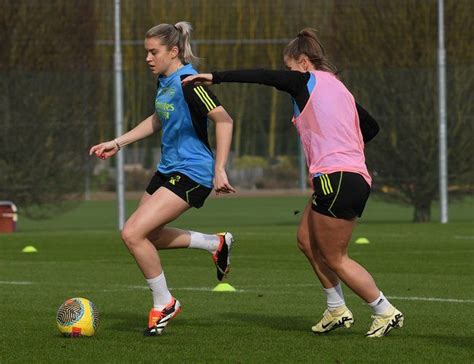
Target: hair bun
(307, 32)
(307, 43)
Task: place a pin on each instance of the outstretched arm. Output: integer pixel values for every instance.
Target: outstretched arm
(147, 127)
(289, 81)
(292, 82)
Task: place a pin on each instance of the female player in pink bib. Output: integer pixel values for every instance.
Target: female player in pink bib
(333, 129)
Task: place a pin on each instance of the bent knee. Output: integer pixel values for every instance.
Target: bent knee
(130, 236)
(126, 234)
(335, 262)
(303, 242)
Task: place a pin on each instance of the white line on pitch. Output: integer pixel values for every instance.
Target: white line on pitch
(121, 288)
(208, 289)
(430, 299)
(464, 237)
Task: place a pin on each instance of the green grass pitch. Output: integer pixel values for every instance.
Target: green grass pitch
(427, 269)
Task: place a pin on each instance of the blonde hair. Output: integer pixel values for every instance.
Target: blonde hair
(175, 35)
(307, 43)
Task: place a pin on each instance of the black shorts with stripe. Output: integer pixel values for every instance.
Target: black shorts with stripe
(340, 194)
(189, 190)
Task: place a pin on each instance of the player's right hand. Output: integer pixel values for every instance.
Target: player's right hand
(199, 79)
(104, 150)
(221, 183)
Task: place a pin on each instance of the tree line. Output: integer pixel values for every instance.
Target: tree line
(57, 84)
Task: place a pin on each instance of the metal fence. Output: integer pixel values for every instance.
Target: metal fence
(57, 83)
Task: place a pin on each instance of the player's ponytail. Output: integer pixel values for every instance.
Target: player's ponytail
(177, 35)
(185, 51)
(307, 43)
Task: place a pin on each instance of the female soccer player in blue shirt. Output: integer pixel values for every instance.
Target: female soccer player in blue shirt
(186, 173)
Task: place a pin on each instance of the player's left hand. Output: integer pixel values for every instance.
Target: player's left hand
(221, 183)
(199, 79)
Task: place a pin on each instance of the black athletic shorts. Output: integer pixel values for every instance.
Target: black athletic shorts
(340, 194)
(190, 191)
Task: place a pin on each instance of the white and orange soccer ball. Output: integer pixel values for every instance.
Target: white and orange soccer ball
(77, 317)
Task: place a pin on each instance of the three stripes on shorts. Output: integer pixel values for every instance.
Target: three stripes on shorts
(326, 184)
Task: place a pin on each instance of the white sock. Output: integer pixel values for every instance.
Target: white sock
(334, 297)
(381, 305)
(204, 241)
(161, 295)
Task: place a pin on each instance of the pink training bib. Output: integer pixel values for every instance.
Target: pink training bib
(329, 129)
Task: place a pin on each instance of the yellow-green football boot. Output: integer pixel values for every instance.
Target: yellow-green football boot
(383, 324)
(340, 317)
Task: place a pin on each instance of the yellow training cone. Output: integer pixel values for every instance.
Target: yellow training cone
(29, 249)
(224, 287)
(362, 241)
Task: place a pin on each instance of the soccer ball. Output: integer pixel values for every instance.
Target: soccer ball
(77, 317)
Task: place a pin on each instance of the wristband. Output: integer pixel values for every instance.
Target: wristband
(117, 144)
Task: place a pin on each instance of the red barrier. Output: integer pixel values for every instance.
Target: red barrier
(8, 217)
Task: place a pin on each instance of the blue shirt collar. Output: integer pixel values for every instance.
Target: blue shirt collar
(179, 71)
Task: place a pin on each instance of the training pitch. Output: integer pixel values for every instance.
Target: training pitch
(426, 270)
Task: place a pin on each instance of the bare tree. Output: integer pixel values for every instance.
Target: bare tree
(389, 49)
(46, 103)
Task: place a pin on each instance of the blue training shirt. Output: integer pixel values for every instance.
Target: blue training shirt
(183, 114)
